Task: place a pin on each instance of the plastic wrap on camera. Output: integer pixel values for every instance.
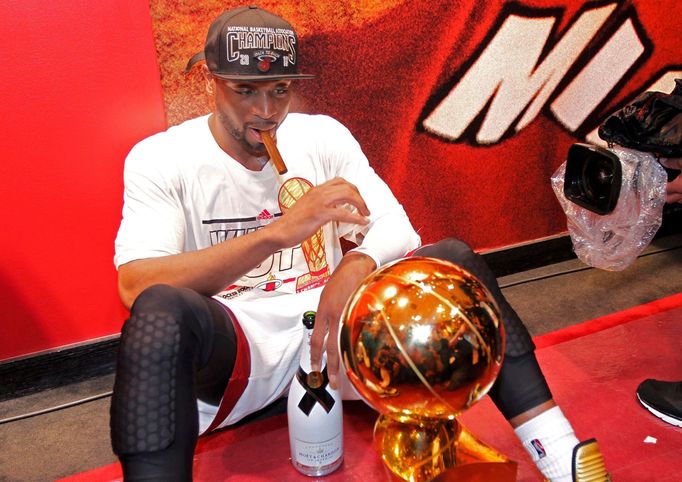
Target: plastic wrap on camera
(613, 241)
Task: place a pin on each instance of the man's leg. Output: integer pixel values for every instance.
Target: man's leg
(520, 392)
(171, 334)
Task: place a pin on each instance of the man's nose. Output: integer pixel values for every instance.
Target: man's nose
(264, 106)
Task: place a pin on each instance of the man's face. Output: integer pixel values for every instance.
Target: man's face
(244, 109)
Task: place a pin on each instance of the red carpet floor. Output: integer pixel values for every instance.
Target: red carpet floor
(593, 369)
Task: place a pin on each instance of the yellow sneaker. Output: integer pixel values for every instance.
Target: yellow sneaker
(588, 463)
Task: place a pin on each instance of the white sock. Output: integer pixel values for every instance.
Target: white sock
(549, 439)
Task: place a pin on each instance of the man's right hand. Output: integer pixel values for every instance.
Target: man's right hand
(327, 202)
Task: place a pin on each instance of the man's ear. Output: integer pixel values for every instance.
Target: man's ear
(208, 78)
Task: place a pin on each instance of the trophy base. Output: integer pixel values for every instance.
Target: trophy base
(420, 450)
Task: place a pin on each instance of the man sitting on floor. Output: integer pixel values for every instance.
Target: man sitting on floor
(218, 256)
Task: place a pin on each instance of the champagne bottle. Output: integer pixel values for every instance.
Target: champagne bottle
(315, 415)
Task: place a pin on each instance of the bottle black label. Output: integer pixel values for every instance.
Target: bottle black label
(314, 395)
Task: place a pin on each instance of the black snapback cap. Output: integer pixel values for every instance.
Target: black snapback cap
(249, 43)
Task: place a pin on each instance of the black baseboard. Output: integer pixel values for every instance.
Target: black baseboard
(522, 257)
(546, 251)
(73, 364)
(56, 368)
(672, 221)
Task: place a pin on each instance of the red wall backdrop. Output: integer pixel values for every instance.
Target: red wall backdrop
(80, 86)
(464, 107)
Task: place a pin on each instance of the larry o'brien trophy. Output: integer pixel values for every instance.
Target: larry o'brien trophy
(313, 248)
(421, 341)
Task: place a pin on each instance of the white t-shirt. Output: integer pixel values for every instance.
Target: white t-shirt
(184, 193)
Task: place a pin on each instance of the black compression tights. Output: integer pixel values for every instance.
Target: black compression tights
(520, 385)
(175, 346)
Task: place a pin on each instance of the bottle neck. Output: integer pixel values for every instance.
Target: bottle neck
(305, 352)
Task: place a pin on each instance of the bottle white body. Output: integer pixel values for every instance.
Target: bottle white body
(316, 438)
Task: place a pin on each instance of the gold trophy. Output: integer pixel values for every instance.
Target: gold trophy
(291, 191)
(421, 340)
(313, 248)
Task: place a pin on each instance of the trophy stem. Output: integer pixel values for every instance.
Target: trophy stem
(420, 450)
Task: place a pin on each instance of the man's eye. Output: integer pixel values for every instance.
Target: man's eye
(281, 90)
(244, 91)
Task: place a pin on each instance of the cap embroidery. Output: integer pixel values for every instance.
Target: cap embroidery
(248, 43)
(242, 38)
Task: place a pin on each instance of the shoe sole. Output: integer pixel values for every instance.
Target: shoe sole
(666, 418)
(588, 463)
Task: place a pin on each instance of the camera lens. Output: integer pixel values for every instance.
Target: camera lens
(593, 178)
(597, 177)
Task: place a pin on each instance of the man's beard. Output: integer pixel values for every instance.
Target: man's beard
(239, 135)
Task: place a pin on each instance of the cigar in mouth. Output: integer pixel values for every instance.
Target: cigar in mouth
(275, 156)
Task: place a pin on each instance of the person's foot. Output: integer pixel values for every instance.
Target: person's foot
(588, 463)
(663, 399)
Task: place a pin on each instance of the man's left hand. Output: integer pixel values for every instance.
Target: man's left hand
(352, 270)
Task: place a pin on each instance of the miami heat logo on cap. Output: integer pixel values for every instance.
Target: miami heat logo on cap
(264, 65)
(265, 60)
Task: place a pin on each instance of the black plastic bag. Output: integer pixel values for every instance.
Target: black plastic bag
(651, 123)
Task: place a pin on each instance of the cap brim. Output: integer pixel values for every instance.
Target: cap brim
(264, 77)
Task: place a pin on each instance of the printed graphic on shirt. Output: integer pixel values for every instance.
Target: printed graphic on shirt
(313, 248)
(266, 216)
(233, 227)
(273, 273)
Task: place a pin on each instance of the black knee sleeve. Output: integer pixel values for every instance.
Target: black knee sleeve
(156, 360)
(520, 386)
(171, 334)
(213, 375)
(518, 340)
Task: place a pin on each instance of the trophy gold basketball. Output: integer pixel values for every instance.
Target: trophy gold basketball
(421, 341)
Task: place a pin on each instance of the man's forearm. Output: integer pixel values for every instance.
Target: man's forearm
(206, 271)
(389, 238)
